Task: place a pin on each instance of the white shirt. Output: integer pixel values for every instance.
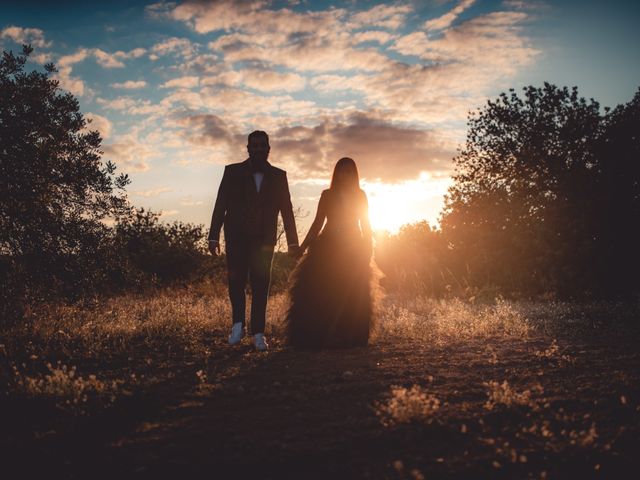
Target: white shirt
(257, 177)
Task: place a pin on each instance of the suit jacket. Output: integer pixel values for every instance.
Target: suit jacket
(245, 212)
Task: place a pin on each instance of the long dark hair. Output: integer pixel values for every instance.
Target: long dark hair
(345, 178)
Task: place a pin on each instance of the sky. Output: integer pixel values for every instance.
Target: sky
(175, 87)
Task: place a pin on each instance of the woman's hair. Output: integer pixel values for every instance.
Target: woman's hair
(345, 176)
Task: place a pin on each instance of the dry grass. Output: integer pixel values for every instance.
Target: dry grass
(439, 321)
(408, 405)
(146, 330)
(182, 321)
(504, 394)
(65, 387)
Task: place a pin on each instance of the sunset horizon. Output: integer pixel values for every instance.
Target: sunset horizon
(175, 88)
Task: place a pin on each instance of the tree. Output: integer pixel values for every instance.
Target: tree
(55, 191)
(158, 253)
(619, 185)
(414, 260)
(527, 207)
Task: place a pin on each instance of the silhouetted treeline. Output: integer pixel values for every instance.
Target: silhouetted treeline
(546, 199)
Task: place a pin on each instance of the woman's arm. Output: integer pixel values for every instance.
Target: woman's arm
(317, 224)
(365, 225)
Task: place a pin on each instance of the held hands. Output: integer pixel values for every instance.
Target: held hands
(295, 251)
(214, 247)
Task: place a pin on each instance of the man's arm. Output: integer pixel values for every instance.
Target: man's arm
(288, 220)
(219, 211)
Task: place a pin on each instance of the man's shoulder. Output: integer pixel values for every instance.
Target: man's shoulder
(278, 171)
(235, 170)
(234, 167)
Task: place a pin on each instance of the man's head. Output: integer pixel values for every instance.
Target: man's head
(258, 146)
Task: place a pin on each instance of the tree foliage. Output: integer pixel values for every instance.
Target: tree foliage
(414, 260)
(162, 253)
(545, 194)
(54, 189)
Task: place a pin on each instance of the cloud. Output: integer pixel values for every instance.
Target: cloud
(258, 79)
(525, 4)
(382, 16)
(258, 42)
(328, 52)
(151, 193)
(160, 10)
(34, 36)
(241, 104)
(102, 124)
(459, 66)
(328, 83)
(381, 149)
(378, 36)
(188, 201)
(488, 42)
(452, 71)
(182, 82)
(183, 99)
(415, 43)
(132, 106)
(107, 60)
(74, 85)
(130, 84)
(335, 83)
(41, 57)
(251, 16)
(129, 153)
(76, 57)
(104, 59)
(448, 18)
(175, 46)
(207, 130)
(114, 60)
(270, 81)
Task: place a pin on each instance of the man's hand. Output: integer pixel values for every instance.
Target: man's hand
(214, 247)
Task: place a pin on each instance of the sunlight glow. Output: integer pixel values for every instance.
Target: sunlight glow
(394, 205)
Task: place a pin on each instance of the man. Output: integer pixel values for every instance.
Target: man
(251, 195)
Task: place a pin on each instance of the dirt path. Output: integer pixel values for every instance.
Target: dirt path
(316, 414)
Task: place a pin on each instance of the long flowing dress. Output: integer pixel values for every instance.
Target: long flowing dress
(332, 288)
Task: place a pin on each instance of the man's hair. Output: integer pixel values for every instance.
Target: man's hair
(258, 133)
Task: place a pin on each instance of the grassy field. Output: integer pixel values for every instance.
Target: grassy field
(146, 386)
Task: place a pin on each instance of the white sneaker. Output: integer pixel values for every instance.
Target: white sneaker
(259, 342)
(237, 333)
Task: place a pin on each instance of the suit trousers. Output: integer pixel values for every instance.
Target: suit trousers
(249, 258)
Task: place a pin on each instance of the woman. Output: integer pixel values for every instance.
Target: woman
(331, 292)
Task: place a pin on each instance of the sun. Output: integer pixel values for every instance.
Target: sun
(392, 205)
(386, 213)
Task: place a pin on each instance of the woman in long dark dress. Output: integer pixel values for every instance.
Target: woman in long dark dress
(331, 293)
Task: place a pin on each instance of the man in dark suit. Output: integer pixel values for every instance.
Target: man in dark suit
(251, 195)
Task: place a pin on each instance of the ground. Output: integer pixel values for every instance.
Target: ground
(447, 389)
